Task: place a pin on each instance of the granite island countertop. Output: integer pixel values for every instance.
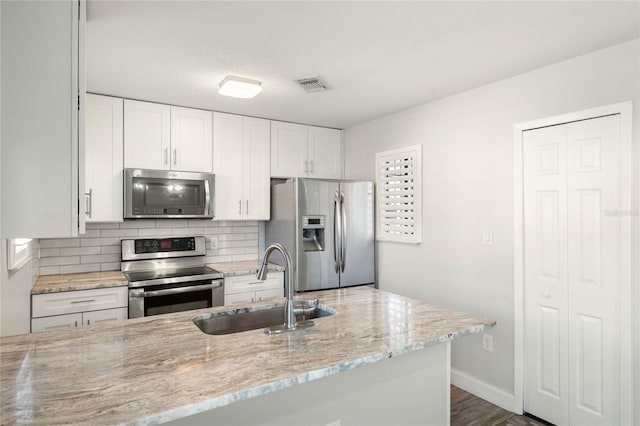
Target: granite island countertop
(159, 368)
(245, 267)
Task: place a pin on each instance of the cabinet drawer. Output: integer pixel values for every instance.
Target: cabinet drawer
(58, 322)
(78, 301)
(246, 283)
(235, 298)
(104, 316)
(271, 294)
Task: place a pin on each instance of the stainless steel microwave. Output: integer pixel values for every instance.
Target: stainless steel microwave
(167, 194)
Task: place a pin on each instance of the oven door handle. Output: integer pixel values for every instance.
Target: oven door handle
(178, 290)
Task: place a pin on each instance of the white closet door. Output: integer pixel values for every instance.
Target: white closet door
(572, 272)
(546, 298)
(594, 179)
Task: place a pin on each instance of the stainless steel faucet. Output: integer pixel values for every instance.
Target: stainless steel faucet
(290, 283)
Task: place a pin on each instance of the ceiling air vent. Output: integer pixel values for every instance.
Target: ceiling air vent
(312, 84)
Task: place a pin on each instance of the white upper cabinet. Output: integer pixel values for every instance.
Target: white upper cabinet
(191, 145)
(305, 151)
(241, 158)
(42, 119)
(325, 153)
(164, 137)
(147, 134)
(288, 149)
(103, 159)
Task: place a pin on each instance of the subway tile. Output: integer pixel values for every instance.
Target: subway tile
(100, 242)
(252, 236)
(49, 252)
(172, 223)
(110, 266)
(243, 243)
(103, 225)
(74, 269)
(230, 237)
(217, 259)
(49, 270)
(225, 251)
(90, 233)
(138, 224)
(76, 251)
(155, 232)
(251, 250)
(188, 231)
(59, 242)
(59, 260)
(111, 250)
(245, 229)
(100, 258)
(251, 223)
(195, 223)
(119, 233)
(216, 231)
(241, 257)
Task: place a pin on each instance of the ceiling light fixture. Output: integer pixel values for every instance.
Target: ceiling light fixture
(239, 87)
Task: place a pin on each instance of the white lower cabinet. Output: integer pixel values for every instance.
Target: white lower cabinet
(247, 288)
(70, 309)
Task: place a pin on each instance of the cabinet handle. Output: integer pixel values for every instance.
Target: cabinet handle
(247, 205)
(311, 166)
(175, 156)
(88, 322)
(76, 323)
(83, 301)
(89, 202)
(239, 207)
(166, 156)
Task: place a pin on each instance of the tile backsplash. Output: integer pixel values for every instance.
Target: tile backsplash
(99, 248)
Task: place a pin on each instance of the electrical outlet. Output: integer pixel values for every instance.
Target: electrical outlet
(487, 237)
(487, 342)
(213, 243)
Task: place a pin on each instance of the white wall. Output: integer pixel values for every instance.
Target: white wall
(468, 185)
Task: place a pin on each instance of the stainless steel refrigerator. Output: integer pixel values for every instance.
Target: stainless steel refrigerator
(327, 226)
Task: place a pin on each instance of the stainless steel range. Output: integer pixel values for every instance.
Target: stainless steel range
(169, 275)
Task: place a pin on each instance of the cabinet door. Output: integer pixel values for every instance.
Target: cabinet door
(256, 164)
(104, 316)
(104, 159)
(236, 298)
(146, 135)
(66, 302)
(42, 120)
(191, 140)
(58, 322)
(288, 150)
(227, 166)
(325, 153)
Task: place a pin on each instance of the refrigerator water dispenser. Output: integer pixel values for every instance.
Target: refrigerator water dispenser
(313, 233)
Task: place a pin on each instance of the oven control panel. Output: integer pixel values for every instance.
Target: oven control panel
(161, 245)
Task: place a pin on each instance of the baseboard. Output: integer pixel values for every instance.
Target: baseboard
(482, 389)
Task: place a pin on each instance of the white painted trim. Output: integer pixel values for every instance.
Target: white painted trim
(626, 310)
(482, 389)
(448, 388)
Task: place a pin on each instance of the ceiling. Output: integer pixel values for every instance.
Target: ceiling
(376, 57)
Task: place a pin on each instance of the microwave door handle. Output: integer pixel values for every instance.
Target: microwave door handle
(178, 290)
(207, 198)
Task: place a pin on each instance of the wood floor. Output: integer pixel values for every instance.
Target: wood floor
(469, 410)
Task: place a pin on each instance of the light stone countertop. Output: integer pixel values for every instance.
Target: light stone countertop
(246, 267)
(159, 368)
(80, 281)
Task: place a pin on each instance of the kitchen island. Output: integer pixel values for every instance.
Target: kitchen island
(164, 369)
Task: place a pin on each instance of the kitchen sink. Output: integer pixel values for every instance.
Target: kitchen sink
(253, 318)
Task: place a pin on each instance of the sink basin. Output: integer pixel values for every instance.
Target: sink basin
(238, 320)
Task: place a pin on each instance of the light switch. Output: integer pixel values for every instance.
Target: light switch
(487, 342)
(487, 237)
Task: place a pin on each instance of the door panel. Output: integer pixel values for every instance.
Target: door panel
(325, 153)
(316, 269)
(288, 149)
(594, 269)
(257, 152)
(546, 314)
(147, 133)
(359, 239)
(191, 140)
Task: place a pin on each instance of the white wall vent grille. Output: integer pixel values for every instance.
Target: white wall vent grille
(312, 84)
(399, 195)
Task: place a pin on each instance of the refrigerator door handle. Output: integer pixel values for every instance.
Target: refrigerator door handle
(343, 234)
(337, 232)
